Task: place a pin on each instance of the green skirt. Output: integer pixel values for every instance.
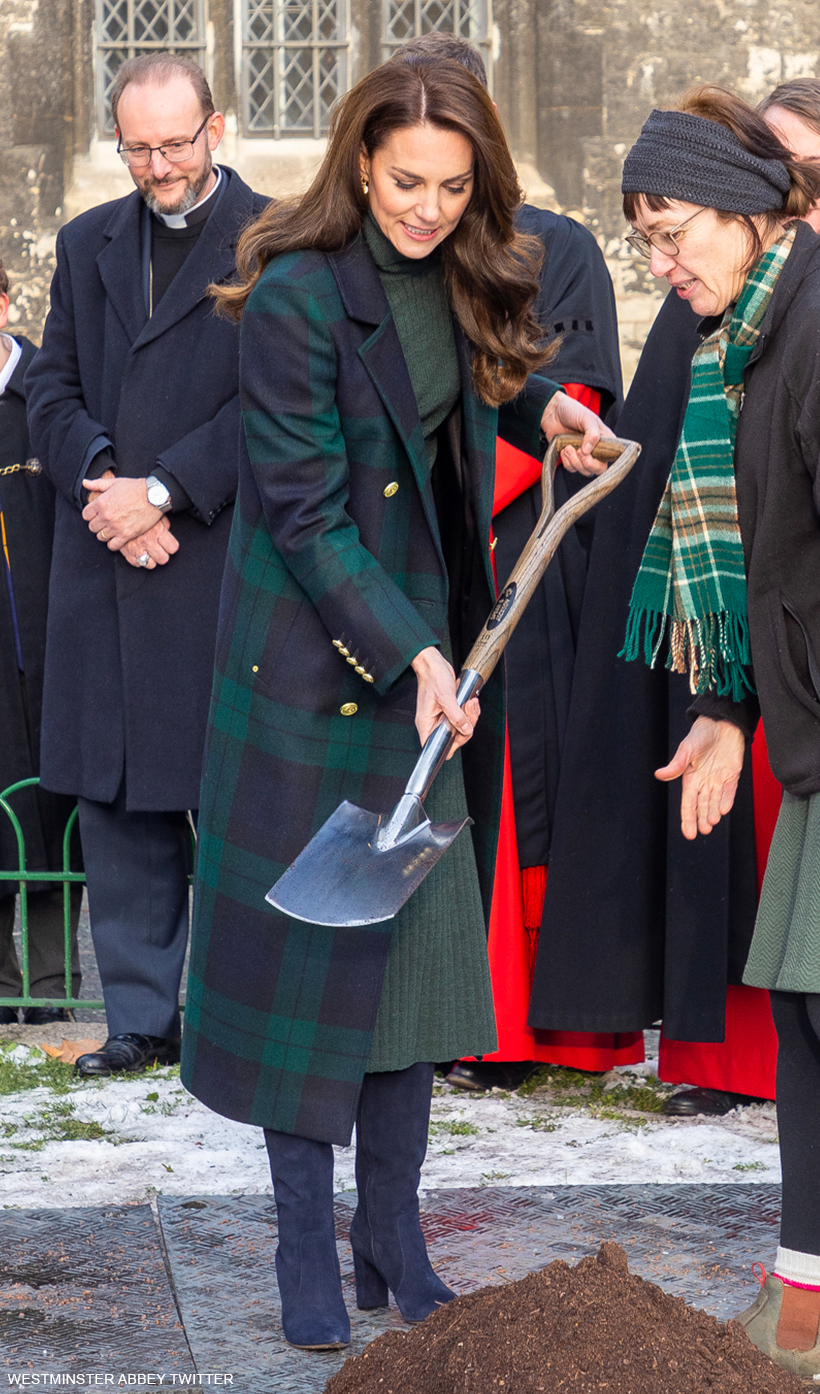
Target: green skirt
(437, 1001)
(785, 951)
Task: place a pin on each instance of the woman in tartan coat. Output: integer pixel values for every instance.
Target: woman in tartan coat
(358, 575)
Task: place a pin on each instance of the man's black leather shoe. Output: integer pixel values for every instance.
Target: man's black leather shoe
(688, 1103)
(8, 1016)
(129, 1053)
(44, 1016)
(494, 1074)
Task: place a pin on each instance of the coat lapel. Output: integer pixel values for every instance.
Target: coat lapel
(213, 258)
(478, 441)
(364, 300)
(16, 381)
(117, 261)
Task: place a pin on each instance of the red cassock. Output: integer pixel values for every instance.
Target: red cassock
(518, 896)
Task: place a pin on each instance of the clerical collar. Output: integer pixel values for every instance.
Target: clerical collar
(7, 370)
(197, 214)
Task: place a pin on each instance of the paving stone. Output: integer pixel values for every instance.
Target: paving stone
(86, 1290)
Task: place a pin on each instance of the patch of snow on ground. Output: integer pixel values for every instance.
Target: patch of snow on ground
(159, 1139)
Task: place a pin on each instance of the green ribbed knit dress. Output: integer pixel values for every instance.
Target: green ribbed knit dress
(437, 1002)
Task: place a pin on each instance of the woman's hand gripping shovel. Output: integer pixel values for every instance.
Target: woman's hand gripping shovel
(361, 867)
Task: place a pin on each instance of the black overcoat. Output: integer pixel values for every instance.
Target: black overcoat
(335, 538)
(27, 505)
(638, 923)
(129, 656)
(576, 303)
(778, 493)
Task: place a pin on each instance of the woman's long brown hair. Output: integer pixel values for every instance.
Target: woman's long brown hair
(490, 269)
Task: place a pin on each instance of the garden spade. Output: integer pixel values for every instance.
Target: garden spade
(361, 867)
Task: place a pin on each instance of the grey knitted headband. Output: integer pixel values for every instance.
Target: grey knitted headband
(679, 155)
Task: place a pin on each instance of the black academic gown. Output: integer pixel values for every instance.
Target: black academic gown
(639, 924)
(576, 305)
(27, 505)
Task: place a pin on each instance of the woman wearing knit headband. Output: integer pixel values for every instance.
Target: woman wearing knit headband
(729, 586)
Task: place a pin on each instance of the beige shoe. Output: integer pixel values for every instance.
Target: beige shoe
(762, 1321)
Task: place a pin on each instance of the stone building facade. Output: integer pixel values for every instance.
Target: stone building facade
(573, 79)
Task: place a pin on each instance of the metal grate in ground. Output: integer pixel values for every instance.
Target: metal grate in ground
(86, 1290)
(696, 1241)
(96, 1288)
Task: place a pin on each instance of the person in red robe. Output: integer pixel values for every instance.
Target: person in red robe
(576, 304)
(637, 925)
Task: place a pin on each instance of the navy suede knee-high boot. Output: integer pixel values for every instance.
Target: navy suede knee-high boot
(388, 1246)
(314, 1315)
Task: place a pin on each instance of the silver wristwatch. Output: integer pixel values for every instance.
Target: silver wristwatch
(158, 494)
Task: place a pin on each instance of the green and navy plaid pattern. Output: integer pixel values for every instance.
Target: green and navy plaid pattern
(692, 577)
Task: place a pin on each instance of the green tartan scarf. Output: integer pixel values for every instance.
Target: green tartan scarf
(692, 575)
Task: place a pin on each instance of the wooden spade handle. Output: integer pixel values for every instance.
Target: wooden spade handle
(544, 542)
(509, 608)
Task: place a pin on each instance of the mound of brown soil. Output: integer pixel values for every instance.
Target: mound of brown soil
(596, 1327)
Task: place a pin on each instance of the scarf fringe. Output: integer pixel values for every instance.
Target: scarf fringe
(713, 651)
(692, 576)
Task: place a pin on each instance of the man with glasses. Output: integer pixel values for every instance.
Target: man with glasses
(134, 416)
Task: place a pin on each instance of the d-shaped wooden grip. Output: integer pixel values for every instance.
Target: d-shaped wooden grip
(544, 543)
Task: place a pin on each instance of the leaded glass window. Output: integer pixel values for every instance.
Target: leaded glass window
(295, 65)
(127, 28)
(408, 19)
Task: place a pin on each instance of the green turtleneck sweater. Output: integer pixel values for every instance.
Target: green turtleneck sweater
(424, 323)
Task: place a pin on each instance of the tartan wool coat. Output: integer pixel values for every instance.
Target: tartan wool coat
(335, 538)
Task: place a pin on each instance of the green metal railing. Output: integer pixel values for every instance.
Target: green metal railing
(23, 877)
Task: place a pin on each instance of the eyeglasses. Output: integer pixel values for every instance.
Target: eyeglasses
(175, 152)
(665, 242)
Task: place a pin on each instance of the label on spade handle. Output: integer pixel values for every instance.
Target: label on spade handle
(502, 606)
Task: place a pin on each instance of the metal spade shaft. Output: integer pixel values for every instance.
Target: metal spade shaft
(361, 867)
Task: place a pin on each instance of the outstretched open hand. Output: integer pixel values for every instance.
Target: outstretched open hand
(709, 760)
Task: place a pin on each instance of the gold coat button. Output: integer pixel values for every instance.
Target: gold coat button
(255, 668)
(368, 677)
(391, 490)
(359, 669)
(349, 709)
(343, 651)
(351, 660)
(337, 643)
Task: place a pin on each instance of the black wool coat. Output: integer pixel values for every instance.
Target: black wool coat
(576, 303)
(129, 656)
(27, 506)
(778, 501)
(638, 923)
